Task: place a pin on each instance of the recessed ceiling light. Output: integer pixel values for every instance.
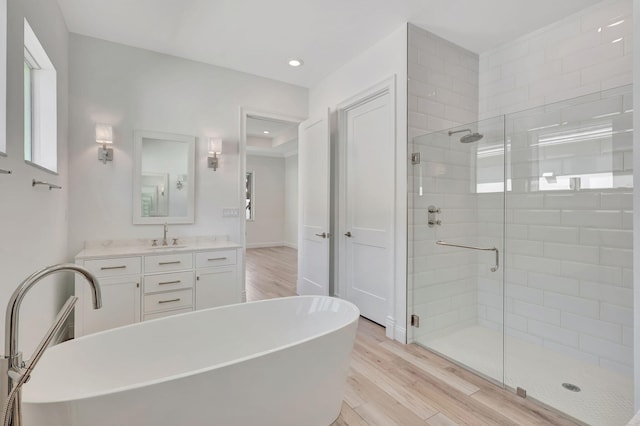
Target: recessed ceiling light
(266, 132)
(296, 62)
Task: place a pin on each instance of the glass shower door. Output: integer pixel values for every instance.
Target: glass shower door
(457, 224)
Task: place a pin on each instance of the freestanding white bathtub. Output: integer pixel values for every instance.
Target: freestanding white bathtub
(274, 362)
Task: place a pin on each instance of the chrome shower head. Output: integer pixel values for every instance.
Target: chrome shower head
(470, 138)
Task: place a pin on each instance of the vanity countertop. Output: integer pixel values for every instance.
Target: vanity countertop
(102, 249)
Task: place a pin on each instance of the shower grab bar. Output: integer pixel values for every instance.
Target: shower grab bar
(493, 269)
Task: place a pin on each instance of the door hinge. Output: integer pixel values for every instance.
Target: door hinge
(415, 158)
(415, 321)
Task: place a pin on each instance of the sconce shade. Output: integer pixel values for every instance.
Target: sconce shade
(104, 134)
(215, 146)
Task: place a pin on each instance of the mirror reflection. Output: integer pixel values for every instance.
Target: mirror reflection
(164, 181)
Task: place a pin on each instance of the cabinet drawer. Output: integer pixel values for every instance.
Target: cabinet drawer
(157, 315)
(164, 282)
(114, 267)
(168, 262)
(167, 301)
(215, 258)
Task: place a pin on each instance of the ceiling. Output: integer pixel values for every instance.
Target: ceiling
(259, 36)
(281, 141)
(256, 126)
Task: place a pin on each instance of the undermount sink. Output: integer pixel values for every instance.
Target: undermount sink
(167, 247)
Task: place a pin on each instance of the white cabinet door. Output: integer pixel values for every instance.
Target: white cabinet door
(120, 305)
(217, 287)
(314, 198)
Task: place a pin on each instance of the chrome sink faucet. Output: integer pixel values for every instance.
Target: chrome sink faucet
(13, 371)
(164, 238)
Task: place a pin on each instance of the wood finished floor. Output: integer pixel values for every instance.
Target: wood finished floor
(394, 384)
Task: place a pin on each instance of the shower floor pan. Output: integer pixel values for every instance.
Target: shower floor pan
(605, 396)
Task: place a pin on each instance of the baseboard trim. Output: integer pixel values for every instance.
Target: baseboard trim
(395, 332)
(291, 245)
(265, 245)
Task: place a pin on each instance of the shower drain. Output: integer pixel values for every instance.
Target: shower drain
(571, 387)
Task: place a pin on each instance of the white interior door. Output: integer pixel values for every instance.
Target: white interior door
(314, 180)
(368, 129)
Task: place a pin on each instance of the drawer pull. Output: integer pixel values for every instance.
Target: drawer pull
(104, 268)
(170, 282)
(169, 301)
(175, 262)
(217, 258)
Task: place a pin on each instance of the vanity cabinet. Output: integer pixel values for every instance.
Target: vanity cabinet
(168, 285)
(120, 284)
(153, 285)
(216, 275)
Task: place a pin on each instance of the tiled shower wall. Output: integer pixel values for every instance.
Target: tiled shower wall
(584, 53)
(568, 276)
(443, 92)
(568, 273)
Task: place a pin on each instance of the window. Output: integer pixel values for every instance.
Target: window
(249, 198)
(28, 106)
(40, 105)
(3, 75)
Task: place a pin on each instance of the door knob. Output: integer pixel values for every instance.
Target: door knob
(348, 234)
(323, 235)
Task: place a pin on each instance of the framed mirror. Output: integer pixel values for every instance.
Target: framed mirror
(163, 179)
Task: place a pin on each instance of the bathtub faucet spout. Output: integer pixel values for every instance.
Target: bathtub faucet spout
(13, 371)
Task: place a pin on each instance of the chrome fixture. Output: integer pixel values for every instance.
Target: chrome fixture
(104, 136)
(432, 216)
(493, 268)
(41, 182)
(471, 137)
(164, 238)
(5, 172)
(323, 235)
(13, 370)
(215, 151)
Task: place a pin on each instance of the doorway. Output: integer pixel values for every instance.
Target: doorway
(270, 200)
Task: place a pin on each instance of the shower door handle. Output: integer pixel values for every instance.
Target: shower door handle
(493, 269)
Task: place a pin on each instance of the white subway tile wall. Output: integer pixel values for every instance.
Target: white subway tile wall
(443, 92)
(581, 54)
(568, 271)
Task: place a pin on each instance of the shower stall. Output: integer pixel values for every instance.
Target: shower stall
(520, 252)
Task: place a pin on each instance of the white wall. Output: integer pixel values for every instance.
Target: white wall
(291, 201)
(34, 232)
(132, 89)
(267, 229)
(386, 58)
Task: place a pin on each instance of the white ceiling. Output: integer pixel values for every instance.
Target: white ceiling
(259, 36)
(257, 125)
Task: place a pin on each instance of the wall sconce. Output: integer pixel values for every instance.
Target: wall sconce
(215, 150)
(104, 136)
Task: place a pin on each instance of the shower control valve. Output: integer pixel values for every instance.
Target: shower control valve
(432, 217)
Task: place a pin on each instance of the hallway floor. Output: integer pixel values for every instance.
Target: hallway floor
(394, 384)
